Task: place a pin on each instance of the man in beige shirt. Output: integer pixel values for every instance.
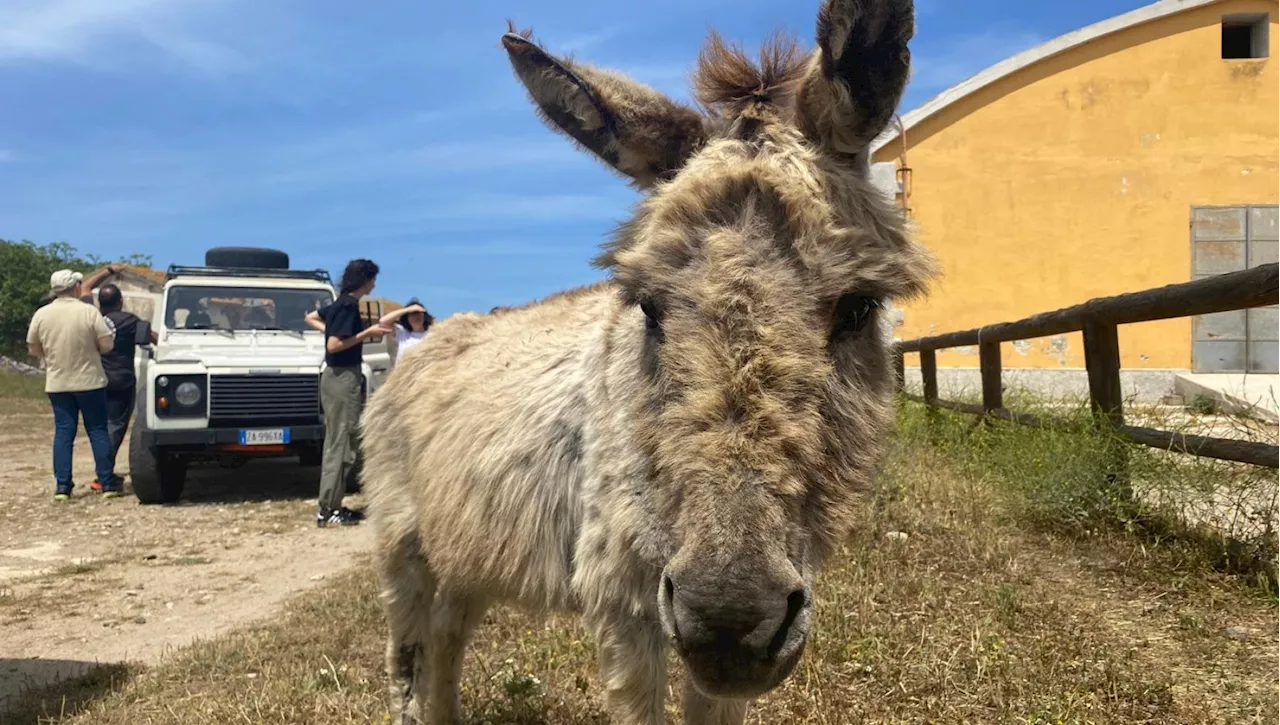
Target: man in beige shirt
(71, 337)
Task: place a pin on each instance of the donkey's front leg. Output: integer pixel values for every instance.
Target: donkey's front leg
(702, 710)
(633, 671)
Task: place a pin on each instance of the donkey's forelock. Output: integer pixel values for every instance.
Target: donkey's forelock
(727, 82)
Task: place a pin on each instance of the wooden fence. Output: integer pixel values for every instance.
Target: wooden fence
(1098, 320)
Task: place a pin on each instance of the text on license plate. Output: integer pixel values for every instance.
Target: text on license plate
(270, 436)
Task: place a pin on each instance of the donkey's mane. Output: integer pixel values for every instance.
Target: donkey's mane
(727, 82)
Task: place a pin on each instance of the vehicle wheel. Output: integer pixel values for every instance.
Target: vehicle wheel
(311, 457)
(157, 477)
(258, 257)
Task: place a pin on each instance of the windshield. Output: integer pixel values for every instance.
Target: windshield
(241, 308)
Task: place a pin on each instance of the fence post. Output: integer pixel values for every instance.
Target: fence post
(989, 362)
(929, 375)
(1106, 399)
(1102, 362)
(899, 370)
(929, 379)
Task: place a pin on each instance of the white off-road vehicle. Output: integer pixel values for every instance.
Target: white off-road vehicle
(236, 372)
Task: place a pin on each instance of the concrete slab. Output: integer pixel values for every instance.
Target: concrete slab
(1255, 394)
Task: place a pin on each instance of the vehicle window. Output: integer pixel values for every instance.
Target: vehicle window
(241, 308)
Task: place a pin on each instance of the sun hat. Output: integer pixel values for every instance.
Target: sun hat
(63, 280)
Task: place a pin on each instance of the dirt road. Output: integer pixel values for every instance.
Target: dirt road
(100, 581)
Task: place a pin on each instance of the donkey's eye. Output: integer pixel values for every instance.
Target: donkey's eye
(652, 322)
(853, 312)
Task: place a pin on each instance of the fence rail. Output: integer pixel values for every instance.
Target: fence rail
(1098, 320)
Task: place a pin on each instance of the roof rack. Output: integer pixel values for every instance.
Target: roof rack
(318, 275)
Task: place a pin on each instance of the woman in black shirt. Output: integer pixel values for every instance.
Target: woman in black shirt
(340, 388)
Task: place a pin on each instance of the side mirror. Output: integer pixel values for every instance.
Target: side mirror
(142, 333)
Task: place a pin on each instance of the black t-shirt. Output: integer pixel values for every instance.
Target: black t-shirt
(342, 320)
(118, 364)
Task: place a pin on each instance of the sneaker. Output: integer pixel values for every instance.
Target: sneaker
(96, 487)
(112, 492)
(61, 496)
(340, 517)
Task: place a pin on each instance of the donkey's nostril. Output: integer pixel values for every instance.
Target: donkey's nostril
(795, 603)
(668, 605)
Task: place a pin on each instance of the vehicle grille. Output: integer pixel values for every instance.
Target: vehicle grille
(257, 400)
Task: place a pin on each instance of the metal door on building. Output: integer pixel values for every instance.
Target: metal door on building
(1228, 239)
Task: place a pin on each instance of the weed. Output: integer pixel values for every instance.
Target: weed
(82, 566)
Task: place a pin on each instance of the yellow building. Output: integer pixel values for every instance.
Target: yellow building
(1133, 153)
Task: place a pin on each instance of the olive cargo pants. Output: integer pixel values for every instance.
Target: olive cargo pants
(340, 397)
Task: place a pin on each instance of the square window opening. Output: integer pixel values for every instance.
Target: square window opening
(1246, 36)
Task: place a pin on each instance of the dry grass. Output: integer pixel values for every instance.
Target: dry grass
(953, 603)
(49, 593)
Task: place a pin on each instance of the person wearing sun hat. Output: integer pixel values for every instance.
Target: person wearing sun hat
(410, 323)
(71, 337)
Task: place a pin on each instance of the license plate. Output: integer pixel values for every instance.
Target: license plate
(272, 436)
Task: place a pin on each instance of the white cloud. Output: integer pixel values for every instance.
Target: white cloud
(209, 58)
(585, 41)
(76, 31)
(436, 216)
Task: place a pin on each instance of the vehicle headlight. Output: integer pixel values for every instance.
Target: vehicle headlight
(187, 394)
(163, 381)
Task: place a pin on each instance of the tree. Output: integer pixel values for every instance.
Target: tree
(24, 278)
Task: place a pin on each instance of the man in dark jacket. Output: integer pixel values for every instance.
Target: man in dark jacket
(118, 365)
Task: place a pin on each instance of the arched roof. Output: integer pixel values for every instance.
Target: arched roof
(1013, 64)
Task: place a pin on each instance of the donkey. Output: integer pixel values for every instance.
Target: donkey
(673, 452)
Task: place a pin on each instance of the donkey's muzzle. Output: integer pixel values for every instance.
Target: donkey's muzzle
(739, 638)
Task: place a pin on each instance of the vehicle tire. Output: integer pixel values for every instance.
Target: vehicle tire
(311, 457)
(257, 257)
(157, 477)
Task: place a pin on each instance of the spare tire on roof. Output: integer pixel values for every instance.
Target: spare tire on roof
(257, 257)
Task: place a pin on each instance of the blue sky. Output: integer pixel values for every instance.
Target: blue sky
(392, 130)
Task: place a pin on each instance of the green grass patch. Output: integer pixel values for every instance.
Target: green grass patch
(27, 387)
(1077, 480)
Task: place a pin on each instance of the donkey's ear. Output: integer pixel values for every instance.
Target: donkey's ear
(856, 77)
(635, 129)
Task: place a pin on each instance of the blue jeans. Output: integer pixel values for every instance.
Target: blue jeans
(67, 410)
